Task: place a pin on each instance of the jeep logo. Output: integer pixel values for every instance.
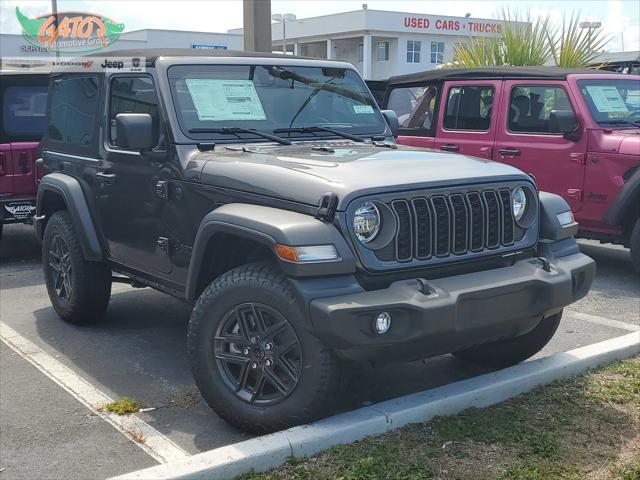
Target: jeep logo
(112, 64)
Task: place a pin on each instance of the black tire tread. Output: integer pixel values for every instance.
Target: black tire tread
(267, 276)
(92, 286)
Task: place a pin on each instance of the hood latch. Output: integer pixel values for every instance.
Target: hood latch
(328, 206)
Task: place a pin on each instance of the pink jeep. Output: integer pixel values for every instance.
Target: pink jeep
(22, 120)
(576, 131)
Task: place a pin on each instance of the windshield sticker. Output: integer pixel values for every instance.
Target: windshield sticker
(219, 100)
(362, 109)
(606, 98)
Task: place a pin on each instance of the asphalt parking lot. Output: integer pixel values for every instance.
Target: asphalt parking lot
(138, 350)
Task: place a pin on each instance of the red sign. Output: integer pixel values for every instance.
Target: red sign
(453, 25)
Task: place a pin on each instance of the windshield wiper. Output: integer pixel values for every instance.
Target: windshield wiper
(237, 130)
(620, 122)
(313, 129)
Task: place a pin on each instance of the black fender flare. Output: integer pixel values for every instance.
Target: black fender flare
(628, 198)
(270, 226)
(71, 192)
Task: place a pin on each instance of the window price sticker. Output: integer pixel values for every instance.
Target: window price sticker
(219, 100)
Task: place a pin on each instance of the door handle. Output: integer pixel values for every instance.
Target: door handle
(509, 152)
(450, 147)
(3, 167)
(106, 178)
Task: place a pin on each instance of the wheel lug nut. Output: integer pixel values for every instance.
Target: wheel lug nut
(268, 346)
(254, 365)
(254, 339)
(268, 362)
(245, 351)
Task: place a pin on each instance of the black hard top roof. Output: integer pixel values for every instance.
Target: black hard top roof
(490, 72)
(151, 54)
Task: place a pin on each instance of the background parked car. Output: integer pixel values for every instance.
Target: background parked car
(24, 102)
(576, 131)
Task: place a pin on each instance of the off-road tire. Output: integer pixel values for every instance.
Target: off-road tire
(634, 245)
(504, 353)
(91, 281)
(319, 383)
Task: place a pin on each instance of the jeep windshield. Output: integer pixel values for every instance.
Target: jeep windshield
(291, 102)
(612, 102)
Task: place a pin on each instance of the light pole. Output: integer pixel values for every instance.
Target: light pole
(287, 17)
(590, 26)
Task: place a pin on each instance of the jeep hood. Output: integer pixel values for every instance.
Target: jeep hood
(304, 172)
(623, 141)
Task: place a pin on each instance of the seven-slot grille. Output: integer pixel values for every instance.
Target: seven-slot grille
(454, 224)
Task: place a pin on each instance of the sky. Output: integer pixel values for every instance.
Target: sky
(620, 18)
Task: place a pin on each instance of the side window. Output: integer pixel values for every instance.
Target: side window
(469, 108)
(413, 51)
(414, 106)
(530, 107)
(23, 111)
(133, 95)
(73, 110)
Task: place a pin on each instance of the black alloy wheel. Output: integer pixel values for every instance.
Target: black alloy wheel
(258, 354)
(61, 268)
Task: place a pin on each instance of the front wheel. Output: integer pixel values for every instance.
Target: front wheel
(503, 353)
(634, 244)
(252, 357)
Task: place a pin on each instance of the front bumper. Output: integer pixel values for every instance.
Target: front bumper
(444, 315)
(17, 209)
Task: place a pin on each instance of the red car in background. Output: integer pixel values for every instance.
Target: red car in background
(576, 131)
(22, 122)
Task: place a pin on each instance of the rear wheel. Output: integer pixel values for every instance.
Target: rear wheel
(504, 353)
(252, 356)
(79, 290)
(634, 244)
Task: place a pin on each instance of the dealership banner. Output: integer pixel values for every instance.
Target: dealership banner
(68, 33)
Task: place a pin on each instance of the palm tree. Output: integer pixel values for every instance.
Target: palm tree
(531, 41)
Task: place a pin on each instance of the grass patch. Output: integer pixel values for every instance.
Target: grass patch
(583, 428)
(124, 406)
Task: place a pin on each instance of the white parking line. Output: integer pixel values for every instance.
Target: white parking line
(155, 443)
(603, 321)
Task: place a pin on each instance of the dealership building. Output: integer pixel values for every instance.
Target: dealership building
(379, 43)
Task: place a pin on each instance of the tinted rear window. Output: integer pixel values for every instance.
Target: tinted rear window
(24, 111)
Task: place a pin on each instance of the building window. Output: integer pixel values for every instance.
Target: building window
(361, 52)
(413, 51)
(437, 52)
(383, 51)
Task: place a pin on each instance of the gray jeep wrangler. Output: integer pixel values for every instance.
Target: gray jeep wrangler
(268, 192)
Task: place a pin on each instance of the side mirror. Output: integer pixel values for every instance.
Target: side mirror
(392, 120)
(134, 131)
(564, 121)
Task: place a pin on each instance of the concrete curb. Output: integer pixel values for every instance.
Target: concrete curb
(269, 451)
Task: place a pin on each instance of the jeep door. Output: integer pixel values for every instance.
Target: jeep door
(525, 139)
(130, 210)
(467, 117)
(415, 106)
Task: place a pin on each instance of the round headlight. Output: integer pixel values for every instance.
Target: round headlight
(366, 222)
(518, 203)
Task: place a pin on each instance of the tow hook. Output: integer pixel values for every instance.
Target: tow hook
(546, 266)
(424, 287)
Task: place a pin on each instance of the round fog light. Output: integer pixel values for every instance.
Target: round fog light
(382, 323)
